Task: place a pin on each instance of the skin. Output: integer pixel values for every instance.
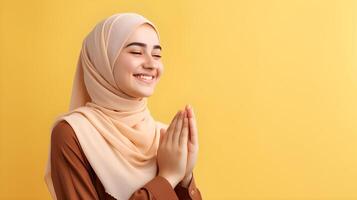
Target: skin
(136, 59)
(189, 120)
(178, 148)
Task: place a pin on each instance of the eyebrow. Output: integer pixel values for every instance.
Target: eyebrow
(143, 45)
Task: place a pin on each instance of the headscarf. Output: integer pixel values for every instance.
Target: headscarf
(118, 135)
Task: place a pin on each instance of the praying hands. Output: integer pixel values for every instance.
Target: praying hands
(178, 148)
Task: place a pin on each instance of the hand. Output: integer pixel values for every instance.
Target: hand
(192, 146)
(172, 151)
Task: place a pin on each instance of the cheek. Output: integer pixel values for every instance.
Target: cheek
(161, 69)
(125, 68)
(128, 65)
(121, 74)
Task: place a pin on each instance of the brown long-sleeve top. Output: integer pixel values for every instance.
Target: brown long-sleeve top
(73, 177)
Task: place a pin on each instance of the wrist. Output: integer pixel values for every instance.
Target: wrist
(186, 181)
(173, 182)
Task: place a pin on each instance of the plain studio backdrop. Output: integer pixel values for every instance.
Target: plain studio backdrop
(273, 84)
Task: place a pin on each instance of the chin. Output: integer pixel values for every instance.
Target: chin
(143, 94)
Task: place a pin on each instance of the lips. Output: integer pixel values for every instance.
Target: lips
(147, 78)
(145, 75)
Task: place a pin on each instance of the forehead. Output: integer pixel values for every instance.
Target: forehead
(145, 33)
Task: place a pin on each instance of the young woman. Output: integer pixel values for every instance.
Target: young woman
(108, 146)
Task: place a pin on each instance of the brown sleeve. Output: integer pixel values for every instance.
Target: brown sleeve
(160, 189)
(70, 174)
(73, 178)
(192, 192)
(156, 189)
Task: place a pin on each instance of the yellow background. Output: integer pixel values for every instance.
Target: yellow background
(273, 84)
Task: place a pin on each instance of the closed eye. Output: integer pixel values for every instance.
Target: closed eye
(135, 52)
(139, 53)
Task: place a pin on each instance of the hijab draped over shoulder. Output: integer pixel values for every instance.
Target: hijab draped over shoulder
(118, 135)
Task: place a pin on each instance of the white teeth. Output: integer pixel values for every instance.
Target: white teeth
(146, 77)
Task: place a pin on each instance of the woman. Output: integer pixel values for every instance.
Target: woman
(108, 146)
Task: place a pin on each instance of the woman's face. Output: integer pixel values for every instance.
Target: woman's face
(138, 67)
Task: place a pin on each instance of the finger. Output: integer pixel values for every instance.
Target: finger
(178, 128)
(192, 126)
(172, 127)
(189, 110)
(184, 133)
(176, 136)
(172, 124)
(189, 115)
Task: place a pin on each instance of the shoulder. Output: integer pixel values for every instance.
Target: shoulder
(62, 132)
(65, 144)
(63, 135)
(62, 126)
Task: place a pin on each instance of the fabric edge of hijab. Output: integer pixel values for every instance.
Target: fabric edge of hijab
(79, 90)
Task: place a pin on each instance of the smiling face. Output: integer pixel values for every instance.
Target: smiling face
(138, 67)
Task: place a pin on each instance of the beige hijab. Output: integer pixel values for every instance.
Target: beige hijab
(118, 136)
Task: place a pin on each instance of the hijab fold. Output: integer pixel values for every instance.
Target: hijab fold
(118, 135)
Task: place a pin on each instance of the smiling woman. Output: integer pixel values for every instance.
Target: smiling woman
(141, 49)
(108, 146)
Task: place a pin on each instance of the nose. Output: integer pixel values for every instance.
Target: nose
(150, 63)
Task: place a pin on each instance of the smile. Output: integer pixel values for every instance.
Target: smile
(145, 78)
